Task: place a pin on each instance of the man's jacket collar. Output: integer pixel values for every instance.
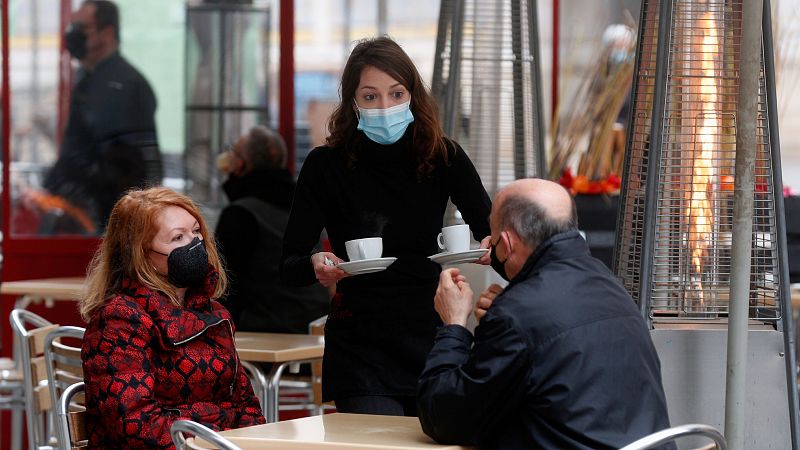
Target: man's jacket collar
(569, 244)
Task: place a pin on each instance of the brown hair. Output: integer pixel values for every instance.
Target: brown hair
(123, 251)
(385, 55)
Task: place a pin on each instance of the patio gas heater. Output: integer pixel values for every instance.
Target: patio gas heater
(674, 233)
(487, 78)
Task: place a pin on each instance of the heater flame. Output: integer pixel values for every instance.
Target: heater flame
(700, 207)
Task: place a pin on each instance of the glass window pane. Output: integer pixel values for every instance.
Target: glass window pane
(84, 132)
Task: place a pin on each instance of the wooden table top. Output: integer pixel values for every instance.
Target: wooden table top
(278, 347)
(67, 288)
(339, 431)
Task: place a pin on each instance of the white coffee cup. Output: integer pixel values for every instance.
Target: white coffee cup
(367, 248)
(454, 239)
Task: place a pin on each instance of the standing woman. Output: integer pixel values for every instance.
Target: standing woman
(159, 347)
(387, 170)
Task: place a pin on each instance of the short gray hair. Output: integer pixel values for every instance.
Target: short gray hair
(531, 222)
(265, 149)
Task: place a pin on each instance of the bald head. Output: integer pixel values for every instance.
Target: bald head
(535, 209)
(551, 197)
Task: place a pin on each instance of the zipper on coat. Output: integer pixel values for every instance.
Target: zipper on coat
(198, 333)
(235, 358)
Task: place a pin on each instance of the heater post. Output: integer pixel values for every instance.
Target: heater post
(738, 311)
(785, 325)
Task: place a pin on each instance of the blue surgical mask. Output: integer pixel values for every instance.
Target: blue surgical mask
(385, 126)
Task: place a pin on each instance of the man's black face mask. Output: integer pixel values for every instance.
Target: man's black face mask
(497, 265)
(75, 40)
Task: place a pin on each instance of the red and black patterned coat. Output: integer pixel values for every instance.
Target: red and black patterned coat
(148, 363)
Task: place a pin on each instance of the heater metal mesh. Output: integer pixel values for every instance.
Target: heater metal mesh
(693, 159)
(486, 77)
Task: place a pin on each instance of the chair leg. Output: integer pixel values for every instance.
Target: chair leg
(16, 426)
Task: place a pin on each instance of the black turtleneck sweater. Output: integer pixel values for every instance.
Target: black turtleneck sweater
(381, 325)
(250, 234)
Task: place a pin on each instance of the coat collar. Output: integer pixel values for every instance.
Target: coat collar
(565, 245)
(179, 323)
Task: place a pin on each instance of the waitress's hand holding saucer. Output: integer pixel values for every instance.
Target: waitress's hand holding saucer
(485, 259)
(325, 268)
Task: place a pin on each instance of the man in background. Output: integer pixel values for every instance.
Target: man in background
(250, 234)
(561, 358)
(110, 143)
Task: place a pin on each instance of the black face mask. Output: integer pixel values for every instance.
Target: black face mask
(75, 41)
(187, 266)
(497, 265)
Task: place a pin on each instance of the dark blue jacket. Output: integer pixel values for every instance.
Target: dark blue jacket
(562, 360)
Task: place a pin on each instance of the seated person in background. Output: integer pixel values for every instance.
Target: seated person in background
(561, 358)
(158, 346)
(250, 233)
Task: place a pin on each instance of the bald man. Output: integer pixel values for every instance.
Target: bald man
(561, 358)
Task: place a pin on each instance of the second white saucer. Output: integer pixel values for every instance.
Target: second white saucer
(447, 258)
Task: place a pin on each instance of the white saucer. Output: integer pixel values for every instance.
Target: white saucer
(447, 258)
(366, 265)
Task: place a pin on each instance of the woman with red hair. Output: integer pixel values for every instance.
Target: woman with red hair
(158, 346)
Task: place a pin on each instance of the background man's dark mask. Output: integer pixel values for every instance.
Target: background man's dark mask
(75, 40)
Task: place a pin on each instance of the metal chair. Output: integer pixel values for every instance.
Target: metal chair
(63, 362)
(64, 366)
(201, 431)
(71, 424)
(670, 434)
(12, 398)
(30, 331)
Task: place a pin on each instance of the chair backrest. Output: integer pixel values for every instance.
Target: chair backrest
(317, 328)
(670, 434)
(63, 363)
(207, 434)
(30, 331)
(71, 417)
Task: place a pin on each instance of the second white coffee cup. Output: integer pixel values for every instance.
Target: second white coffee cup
(454, 239)
(367, 248)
